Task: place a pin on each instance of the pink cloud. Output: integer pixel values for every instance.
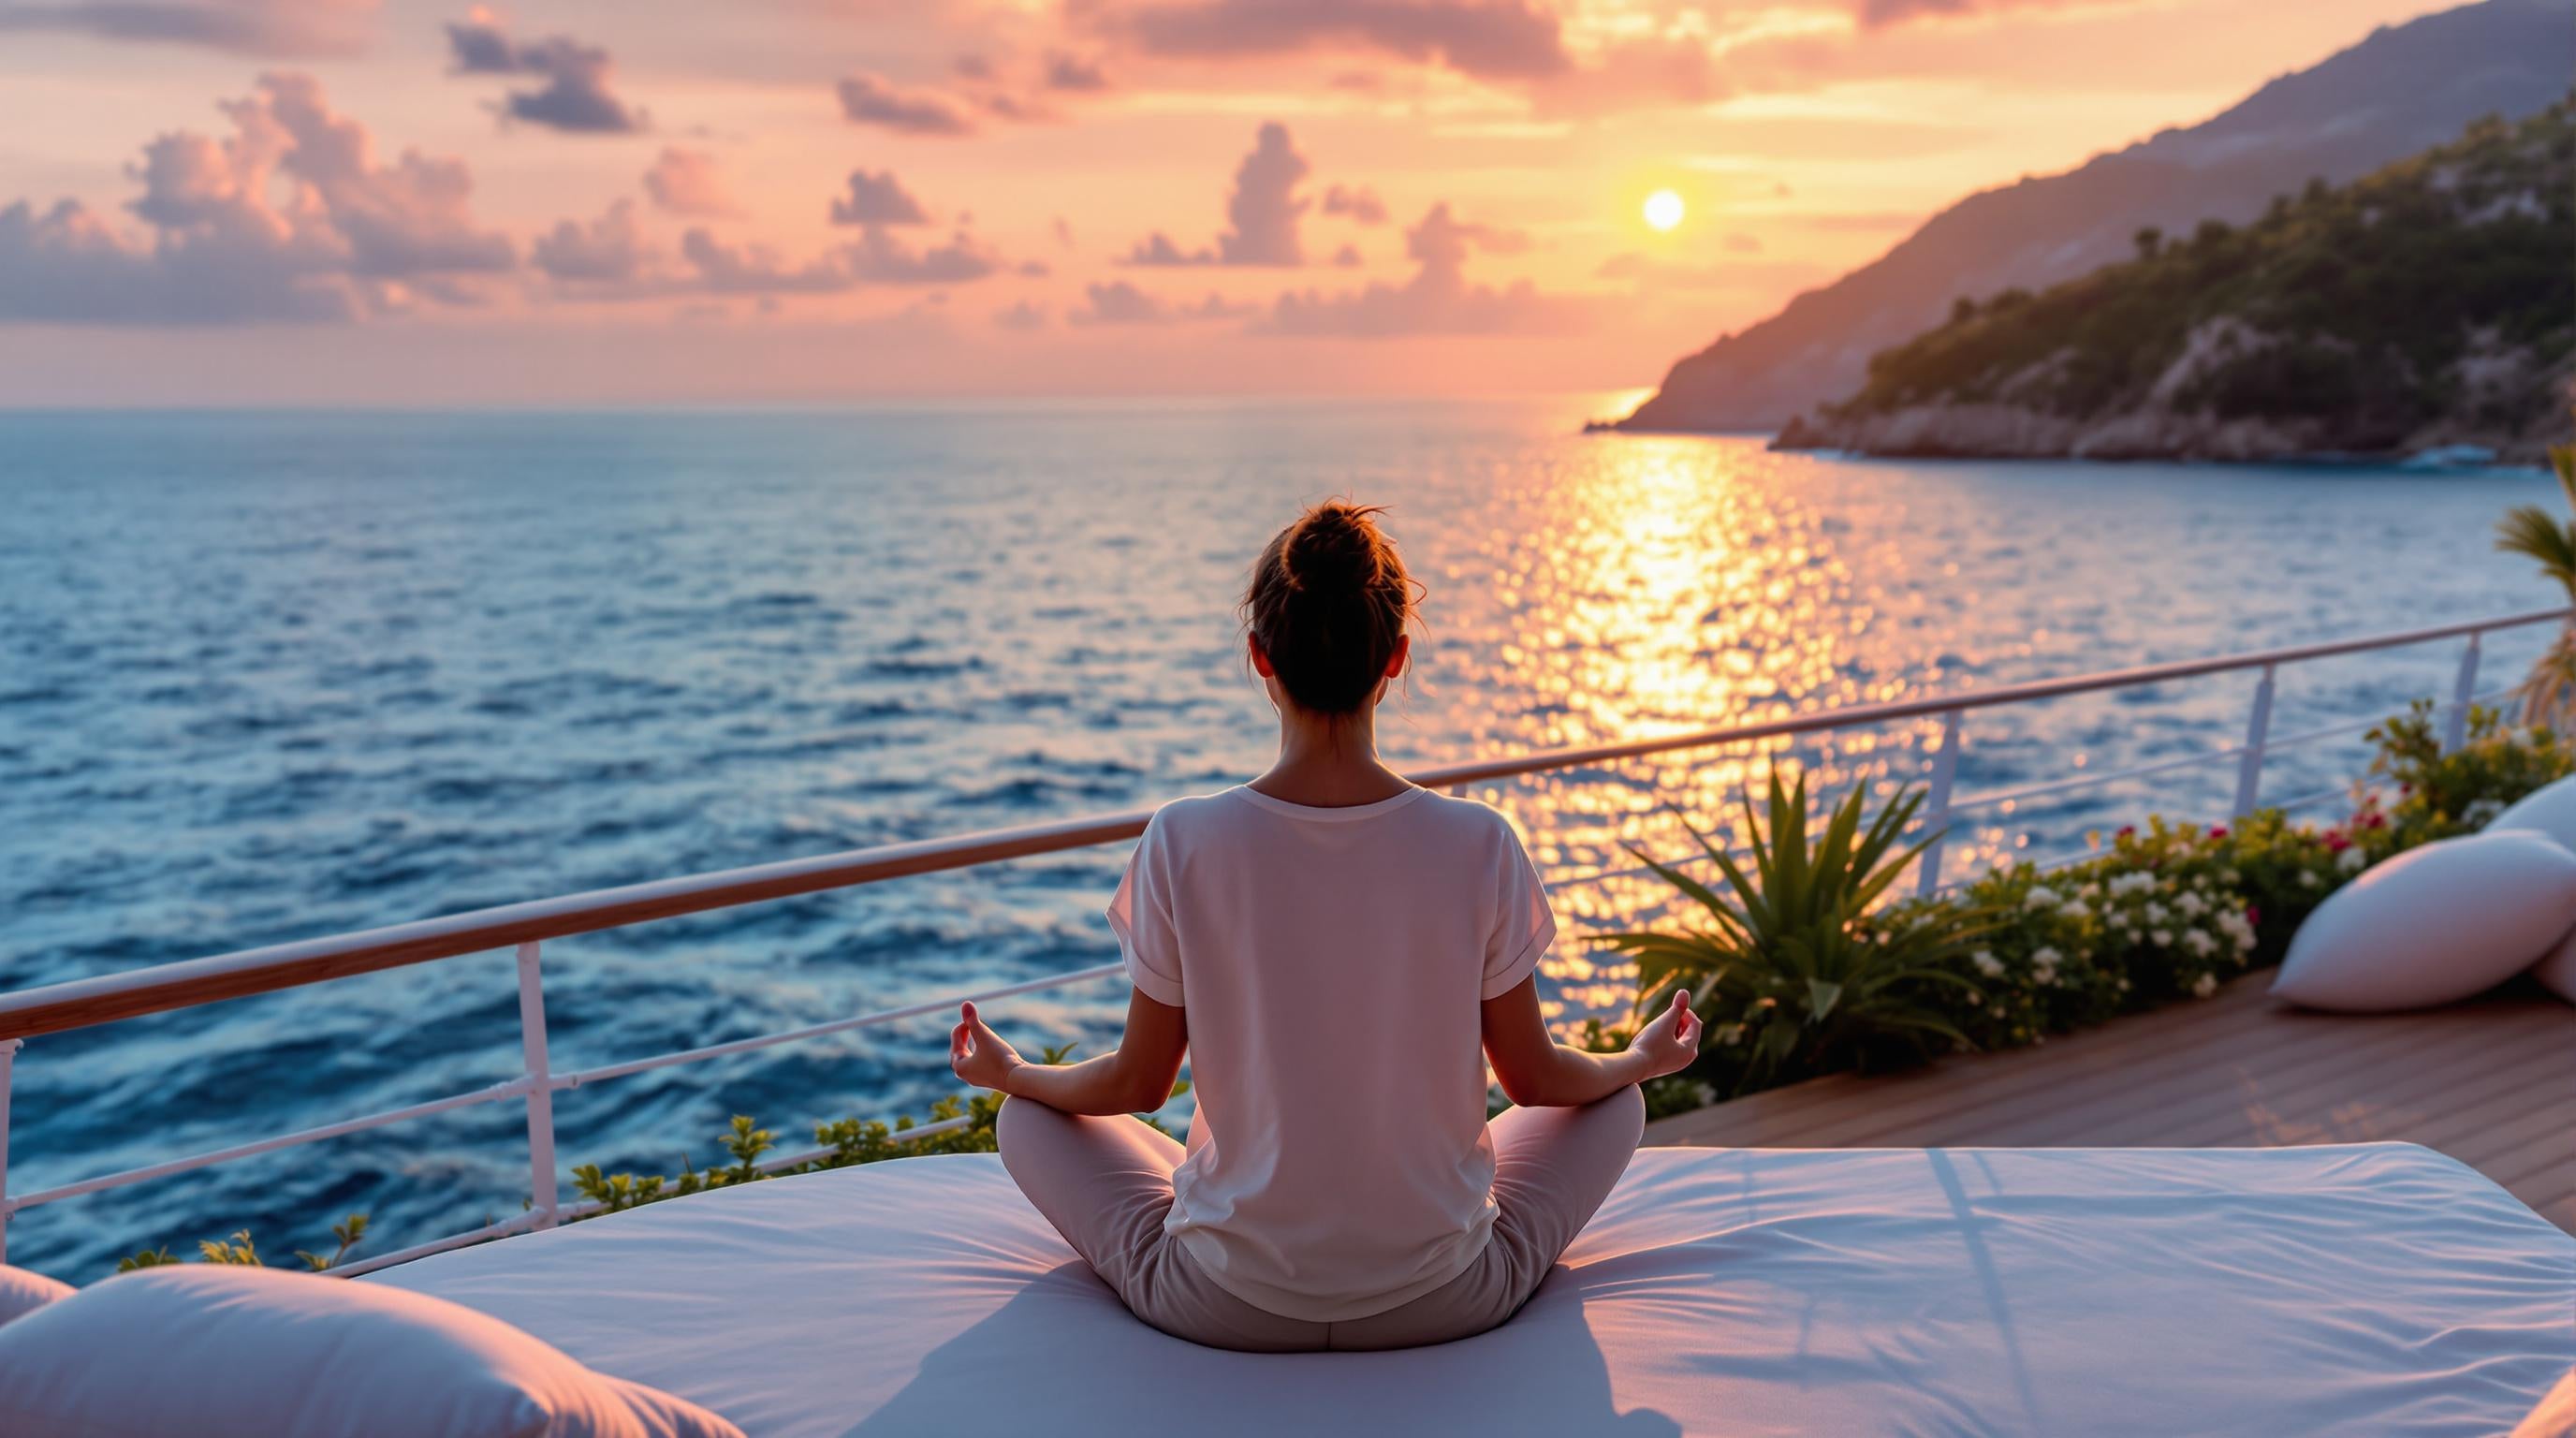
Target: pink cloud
(874, 100)
(575, 96)
(1263, 212)
(1488, 39)
(756, 269)
(1358, 203)
(1072, 73)
(1438, 299)
(272, 29)
(291, 217)
(610, 249)
(877, 199)
(689, 182)
(1121, 303)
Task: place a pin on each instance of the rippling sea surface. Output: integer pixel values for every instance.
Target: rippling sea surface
(271, 676)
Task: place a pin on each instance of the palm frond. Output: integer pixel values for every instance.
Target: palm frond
(2536, 534)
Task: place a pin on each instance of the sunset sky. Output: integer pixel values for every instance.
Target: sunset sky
(636, 201)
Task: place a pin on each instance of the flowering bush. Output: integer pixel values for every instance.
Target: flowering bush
(2161, 915)
(2164, 912)
(2440, 794)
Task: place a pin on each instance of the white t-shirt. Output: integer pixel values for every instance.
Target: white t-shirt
(1331, 962)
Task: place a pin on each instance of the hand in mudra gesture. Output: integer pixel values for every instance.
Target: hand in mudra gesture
(1670, 1040)
(977, 1054)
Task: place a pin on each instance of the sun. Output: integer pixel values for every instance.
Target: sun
(1663, 209)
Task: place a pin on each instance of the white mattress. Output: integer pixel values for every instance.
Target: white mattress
(2376, 1289)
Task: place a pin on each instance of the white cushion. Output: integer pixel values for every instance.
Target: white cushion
(2434, 925)
(2557, 973)
(2351, 1291)
(216, 1351)
(22, 1293)
(2551, 810)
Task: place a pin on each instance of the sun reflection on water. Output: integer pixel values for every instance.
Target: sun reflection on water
(1656, 586)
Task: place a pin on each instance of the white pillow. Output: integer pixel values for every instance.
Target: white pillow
(22, 1293)
(2550, 809)
(2434, 925)
(2557, 973)
(217, 1351)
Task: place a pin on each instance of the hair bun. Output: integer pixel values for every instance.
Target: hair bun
(1336, 544)
(1328, 602)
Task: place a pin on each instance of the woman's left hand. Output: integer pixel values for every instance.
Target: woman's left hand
(1670, 1041)
(978, 1055)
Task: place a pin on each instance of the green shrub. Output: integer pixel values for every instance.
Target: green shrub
(1795, 973)
(239, 1250)
(2159, 913)
(850, 1141)
(2439, 794)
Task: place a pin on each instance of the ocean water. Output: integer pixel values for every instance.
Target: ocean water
(271, 676)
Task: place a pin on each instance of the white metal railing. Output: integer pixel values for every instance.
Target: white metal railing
(82, 1003)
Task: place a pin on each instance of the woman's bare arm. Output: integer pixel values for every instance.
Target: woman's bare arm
(1135, 1077)
(1538, 1072)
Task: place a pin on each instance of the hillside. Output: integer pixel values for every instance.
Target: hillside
(2429, 304)
(2403, 89)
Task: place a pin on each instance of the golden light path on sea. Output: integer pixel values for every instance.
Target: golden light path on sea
(1659, 587)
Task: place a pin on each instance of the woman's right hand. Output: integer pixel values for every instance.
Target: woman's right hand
(1669, 1041)
(978, 1055)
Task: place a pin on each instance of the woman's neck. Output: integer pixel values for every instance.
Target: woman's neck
(1329, 763)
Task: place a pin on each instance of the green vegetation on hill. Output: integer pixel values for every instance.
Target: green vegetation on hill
(2439, 286)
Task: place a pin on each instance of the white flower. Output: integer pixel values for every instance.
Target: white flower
(2075, 910)
(2204, 986)
(2352, 861)
(2200, 943)
(2163, 938)
(2044, 974)
(2192, 904)
(1987, 964)
(2044, 957)
(2155, 913)
(2133, 881)
(2233, 925)
(2308, 877)
(2044, 897)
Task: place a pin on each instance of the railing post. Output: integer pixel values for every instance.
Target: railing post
(541, 1093)
(2455, 728)
(2258, 726)
(1936, 807)
(8, 1054)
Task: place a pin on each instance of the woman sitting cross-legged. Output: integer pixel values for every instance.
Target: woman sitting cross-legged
(1340, 953)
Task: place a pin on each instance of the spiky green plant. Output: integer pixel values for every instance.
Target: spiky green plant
(1794, 969)
(2549, 693)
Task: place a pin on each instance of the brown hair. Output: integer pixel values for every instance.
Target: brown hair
(1328, 600)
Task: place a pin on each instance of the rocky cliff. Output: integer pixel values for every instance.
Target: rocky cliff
(2402, 89)
(2429, 305)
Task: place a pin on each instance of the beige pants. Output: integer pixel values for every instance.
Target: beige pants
(1106, 1185)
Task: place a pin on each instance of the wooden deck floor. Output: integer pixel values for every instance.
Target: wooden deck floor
(2491, 1083)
